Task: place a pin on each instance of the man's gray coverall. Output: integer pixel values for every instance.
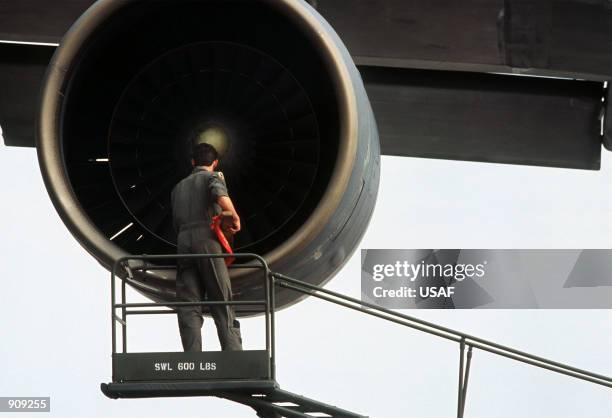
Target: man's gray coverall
(194, 202)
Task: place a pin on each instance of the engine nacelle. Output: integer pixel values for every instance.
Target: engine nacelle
(135, 83)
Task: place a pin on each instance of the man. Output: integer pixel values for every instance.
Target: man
(195, 200)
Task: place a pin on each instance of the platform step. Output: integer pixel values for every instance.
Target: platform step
(159, 389)
(280, 404)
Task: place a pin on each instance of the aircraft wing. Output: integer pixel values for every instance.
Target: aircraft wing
(431, 69)
(22, 66)
(39, 21)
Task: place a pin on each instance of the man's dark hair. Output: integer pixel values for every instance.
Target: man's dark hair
(204, 154)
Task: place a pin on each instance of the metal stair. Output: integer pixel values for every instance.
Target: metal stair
(264, 396)
(249, 377)
(280, 403)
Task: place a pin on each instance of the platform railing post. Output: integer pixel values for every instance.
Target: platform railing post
(465, 380)
(267, 318)
(272, 321)
(123, 317)
(113, 325)
(460, 386)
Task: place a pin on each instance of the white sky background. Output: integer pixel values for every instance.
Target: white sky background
(48, 348)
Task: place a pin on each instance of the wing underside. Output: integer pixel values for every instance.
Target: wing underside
(437, 74)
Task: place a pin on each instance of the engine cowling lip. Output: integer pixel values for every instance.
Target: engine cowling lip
(55, 88)
(313, 23)
(48, 139)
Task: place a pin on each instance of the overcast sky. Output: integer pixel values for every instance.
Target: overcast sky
(54, 304)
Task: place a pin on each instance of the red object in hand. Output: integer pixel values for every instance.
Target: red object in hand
(216, 227)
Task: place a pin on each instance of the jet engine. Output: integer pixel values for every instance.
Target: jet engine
(134, 84)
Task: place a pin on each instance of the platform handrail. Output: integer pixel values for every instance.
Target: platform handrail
(268, 302)
(465, 340)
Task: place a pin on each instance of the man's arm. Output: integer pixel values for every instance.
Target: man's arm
(226, 204)
(219, 193)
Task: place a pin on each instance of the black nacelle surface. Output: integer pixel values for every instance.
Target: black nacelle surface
(132, 85)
